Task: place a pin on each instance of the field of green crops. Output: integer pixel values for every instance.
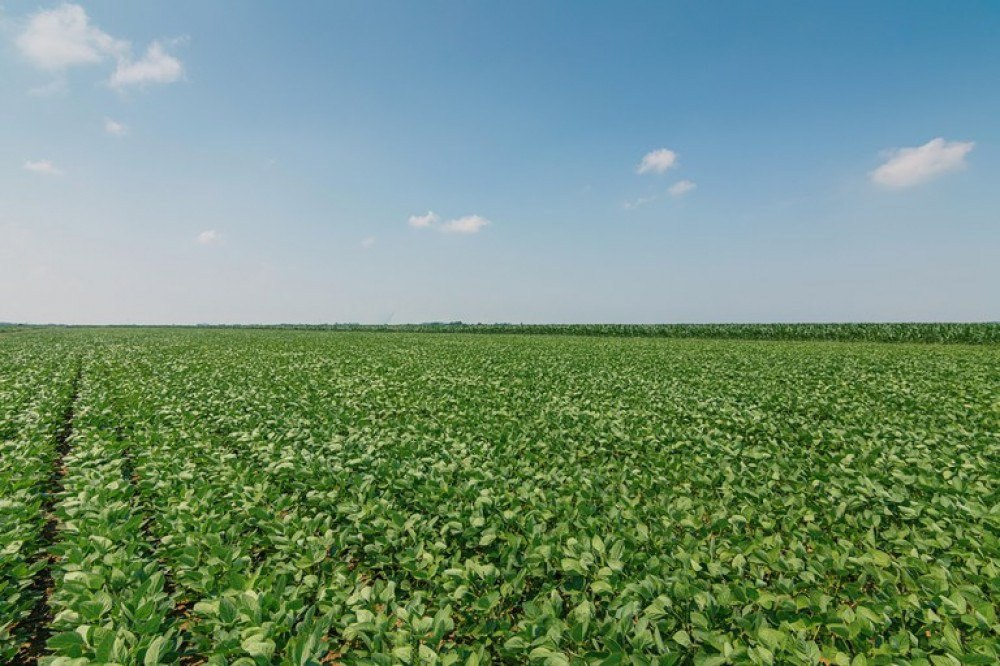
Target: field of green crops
(347, 497)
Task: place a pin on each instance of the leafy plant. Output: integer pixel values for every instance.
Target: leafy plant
(300, 497)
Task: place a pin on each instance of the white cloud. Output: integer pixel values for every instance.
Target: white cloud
(43, 167)
(468, 224)
(657, 161)
(209, 237)
(367, 242)
(423, 221)
(681, 187)
(636, 203)
(911, 166)
(157, 66)
(62, 37)
(115, 128)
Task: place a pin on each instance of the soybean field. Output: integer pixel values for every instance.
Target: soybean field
(307, 497)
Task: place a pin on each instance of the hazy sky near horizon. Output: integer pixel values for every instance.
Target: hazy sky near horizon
(226, 162)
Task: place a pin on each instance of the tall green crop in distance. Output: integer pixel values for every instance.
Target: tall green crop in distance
(942, 333)
(308, 497)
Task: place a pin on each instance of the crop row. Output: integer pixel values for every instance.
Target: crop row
(35, 389)
(108, 602)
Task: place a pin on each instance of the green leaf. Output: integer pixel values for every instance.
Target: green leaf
(155, 651)
(257, 646)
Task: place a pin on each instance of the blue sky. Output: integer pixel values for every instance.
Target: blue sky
(184, 162)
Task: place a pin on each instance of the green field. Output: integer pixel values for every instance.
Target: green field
(321, 497)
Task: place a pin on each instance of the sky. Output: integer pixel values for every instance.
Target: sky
(518, 161)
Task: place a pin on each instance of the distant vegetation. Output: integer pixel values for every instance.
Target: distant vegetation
(976, 333)
(939, 333)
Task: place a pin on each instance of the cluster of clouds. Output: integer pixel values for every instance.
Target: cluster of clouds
(55, 40)
(467, 224)
(658, 162)
(902, 168)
